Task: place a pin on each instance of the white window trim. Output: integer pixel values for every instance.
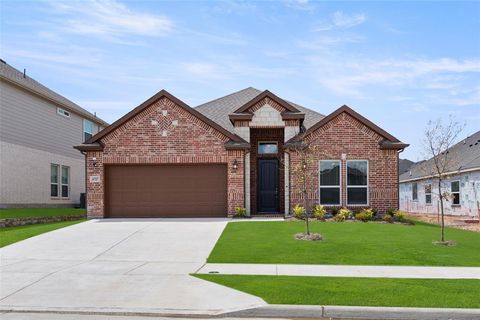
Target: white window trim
(366, 186)
(330, 186)
(62, 184)
(427, 193)
(84, 129)
(57, 184)
(459, 193)
(62, 112)
(415, 200)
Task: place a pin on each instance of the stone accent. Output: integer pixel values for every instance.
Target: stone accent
(345, 135)
(15, 222)
(139, 142)
(286, 162)
(267, 116)
(247, 183)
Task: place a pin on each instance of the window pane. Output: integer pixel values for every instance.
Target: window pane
(54, 173)
(267, 148)
(357, 195)
(357, 173)
(87, 136)
(428, 188)
(65, 175)
(428, 198)
(455, 186)
(330, 173)
(414, 191)
(54, 190)
(87, 126)
(65, 191)
(456, 198)
(329, 195)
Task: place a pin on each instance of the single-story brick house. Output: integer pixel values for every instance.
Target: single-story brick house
(166, 159)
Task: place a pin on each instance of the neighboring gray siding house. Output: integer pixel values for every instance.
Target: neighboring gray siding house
(419, 192)
(38, 129)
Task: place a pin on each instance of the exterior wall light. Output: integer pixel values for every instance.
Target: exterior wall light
(235, 165)
(94, 159)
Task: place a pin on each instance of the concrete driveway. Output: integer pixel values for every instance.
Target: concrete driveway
(119, 266)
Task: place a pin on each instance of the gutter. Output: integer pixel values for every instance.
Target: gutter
(436, 175)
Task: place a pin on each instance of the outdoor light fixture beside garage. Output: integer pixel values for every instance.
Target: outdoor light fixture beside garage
(235, 165)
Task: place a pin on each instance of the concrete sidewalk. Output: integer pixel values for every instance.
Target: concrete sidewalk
(342, 271)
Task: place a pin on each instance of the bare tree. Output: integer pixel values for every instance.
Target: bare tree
(438, 140)
(305, 170)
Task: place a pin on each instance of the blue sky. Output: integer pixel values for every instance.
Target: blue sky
(399, 64)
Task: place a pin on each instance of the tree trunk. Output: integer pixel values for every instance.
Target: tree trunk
(442, 226)
(305, 204)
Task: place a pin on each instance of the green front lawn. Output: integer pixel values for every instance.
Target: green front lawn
(14, 234)
(40, 212)
(345, 243)
(356, 291)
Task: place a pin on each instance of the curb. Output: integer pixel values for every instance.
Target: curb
(351, 312)
(273, 311)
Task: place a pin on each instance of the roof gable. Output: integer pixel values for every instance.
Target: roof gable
(266, 94)
(161, 94)
(220, 109)
(356, 116)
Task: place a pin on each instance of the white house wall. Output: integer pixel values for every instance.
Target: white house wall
(469, 196)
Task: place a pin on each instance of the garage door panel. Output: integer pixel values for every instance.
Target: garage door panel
(167, 191)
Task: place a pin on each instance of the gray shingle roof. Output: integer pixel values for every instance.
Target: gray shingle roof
(467, 151)
(219, 109)
(11, 74)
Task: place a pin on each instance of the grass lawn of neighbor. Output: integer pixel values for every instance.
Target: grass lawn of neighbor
(346, 244)
(355, 291)
(14, 234)
(39, 212)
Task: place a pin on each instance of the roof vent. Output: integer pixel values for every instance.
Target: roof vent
(24, 73)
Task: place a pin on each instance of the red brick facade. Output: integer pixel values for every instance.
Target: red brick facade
(346, 135)
(143, 140)
(166, 131)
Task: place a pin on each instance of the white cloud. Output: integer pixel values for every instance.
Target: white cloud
(346, 75)
(327, 41)
(109, 19)
(304, 5)
(341, 20)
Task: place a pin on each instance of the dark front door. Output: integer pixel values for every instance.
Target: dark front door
(267, 185)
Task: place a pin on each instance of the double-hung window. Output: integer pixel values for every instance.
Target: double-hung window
(414, 191)
(54, 170)
(428, 193)
(357, 182)
(87, 129)
(330, 182)
(455, 190)
(65, 182)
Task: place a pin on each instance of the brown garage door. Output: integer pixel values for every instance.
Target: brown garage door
(166, 191)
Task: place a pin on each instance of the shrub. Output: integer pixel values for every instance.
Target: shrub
(387, 218)
(334, 211)
(400, 216)
(343, 214)
(364, 215)
(375, 211)
(298, 211)
(319, 212)
(391, 211)
(240, 212)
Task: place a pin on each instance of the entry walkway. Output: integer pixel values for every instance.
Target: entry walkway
(342, 271)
